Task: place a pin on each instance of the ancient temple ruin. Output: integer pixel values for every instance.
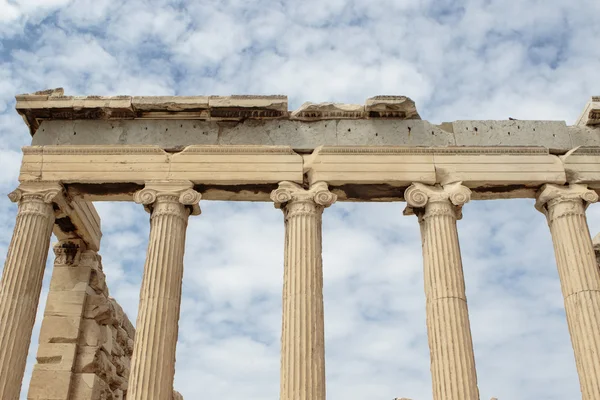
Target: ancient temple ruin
(168, 153)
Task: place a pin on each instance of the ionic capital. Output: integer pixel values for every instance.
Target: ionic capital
(48, 192)
(550, 195)
(290, 192)
(168, 192)
(419, 195)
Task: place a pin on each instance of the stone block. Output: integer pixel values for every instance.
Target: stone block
(109, 343)
(60, 329)
(591, 113)
(98, 280)
(70, 278)
(315, 112)
(65, 303)
(177, 395)
(56, 356)
(584, 135)
(381, 132)
(396, 166)
(94, 360)
(119, 313)
(550, 134)
(100, 308)
(168, 104)
(93, 334)
(583, 166)
(400, 107)
(90, 387)
(49, 385)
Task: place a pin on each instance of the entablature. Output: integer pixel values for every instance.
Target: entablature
(354, 173)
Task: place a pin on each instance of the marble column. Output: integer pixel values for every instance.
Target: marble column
(302, 337)
(453, 372)
(153, 359)
(564, 207)
(21, 282)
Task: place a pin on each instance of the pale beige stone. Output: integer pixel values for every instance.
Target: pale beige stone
(591, 113)
(274, 101)
(497, 166)
(64, 304)
(216, 165)
(153, 360)
(582, 166)
(400, 107)
(448, 329)
(99, 308)
(302, 337)
(564, 207)
(21, 281)
(169, 103)
(93, 334)
(63, 329)
(65, 278)
(398, 166)
(318, 111)
(90, 387)
(49, 385)
(56, 356)
(177, 395)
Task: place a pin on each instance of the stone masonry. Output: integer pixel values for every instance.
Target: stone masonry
(86, 340)
(166, 153)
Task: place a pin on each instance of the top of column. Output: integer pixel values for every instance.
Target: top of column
(550, 195)
(419, 195)
(182, 191)
(290, 192)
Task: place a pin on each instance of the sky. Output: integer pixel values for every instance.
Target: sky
(471, 59)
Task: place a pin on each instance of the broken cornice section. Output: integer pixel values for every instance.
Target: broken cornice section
(591, 113)
(52, 104)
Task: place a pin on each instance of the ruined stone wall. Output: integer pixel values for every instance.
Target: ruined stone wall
(86, 340)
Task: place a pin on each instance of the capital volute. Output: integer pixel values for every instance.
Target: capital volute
(551, 194)
(419, 195)
(290, 192)
(48, 192)
(177, 191)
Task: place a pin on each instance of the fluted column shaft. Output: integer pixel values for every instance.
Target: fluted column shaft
(579, 274)
(454, 376)
(302, 336)
(21, 282)
(153, 359)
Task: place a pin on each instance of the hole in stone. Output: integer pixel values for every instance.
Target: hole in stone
(508, 133)
(166, 129)
(409, 129)
(432, 133)
(475, 129)
(376, 134)
(349, 129)
(74, 133)
(181, 126)
(518, 127)
(146, 128)
(534, 129)
(554, 135)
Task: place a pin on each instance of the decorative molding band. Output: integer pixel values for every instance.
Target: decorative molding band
(326, 150)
